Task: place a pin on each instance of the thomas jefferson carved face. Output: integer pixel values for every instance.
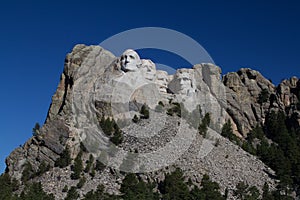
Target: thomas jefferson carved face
(130, 61)
(148, 69)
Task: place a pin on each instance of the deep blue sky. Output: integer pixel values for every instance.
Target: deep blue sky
(36, 36)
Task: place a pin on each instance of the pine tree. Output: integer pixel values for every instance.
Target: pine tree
(135, 119)
(174, 187)
(134, 189)
(78, 167)
(144, 112)
(36, 129)
(64, 160)
(204, 124)
(35, 191)
(72, 194)
(7, 187)
(28, 172)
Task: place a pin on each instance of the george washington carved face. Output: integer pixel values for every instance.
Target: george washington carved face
(130, 61)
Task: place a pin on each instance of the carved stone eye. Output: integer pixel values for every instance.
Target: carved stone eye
(131, 56)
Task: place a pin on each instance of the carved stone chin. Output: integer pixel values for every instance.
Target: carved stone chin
(130, 61)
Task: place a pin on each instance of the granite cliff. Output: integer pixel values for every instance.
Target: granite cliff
(96, 85)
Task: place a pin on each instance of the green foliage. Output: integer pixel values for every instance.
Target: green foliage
(99, 194)
(107, 126)
(170, 112)
(135, 119)
(35, 191)
(279, 148)
(28, 172)
(209, 190)
(65, 189)
(129, 183)
(117, 137)
(72, 194)
(253, 193)
(174, 187)
(64, 160)
(81, 182)
(44, 167)
(298, 105)
(99, 166)
(93, 173)
(161, 103)
(266, 193)
(112, 130)
(89, 164)
(7, 187)
(227, 129)
(247, 146)
(228, 132)
(145, 112)
(263, 96)
(36, 129)
(83, 148)
(284, 156)
(217, 142)
(134, 189)
(276, 127)
(241, 190)
(77, 167)
(174, 109)
(256, 132)
(204, 124)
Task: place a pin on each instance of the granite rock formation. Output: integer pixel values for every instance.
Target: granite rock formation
(95, 84)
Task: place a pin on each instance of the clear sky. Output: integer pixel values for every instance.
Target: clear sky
(35, 36)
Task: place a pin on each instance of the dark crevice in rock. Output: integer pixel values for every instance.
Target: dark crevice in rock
(254, 112)
(68, 85)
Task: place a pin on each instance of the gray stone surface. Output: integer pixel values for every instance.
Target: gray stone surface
(94, 84)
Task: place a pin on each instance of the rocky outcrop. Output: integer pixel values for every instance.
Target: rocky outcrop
(95, 85)
(243, 90)
(250, 97)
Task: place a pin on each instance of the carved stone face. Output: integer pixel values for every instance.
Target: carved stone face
(162, 80)
(130, 61)
(148, 69)
(182, 82)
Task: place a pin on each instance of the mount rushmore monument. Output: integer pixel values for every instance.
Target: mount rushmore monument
(96, 85)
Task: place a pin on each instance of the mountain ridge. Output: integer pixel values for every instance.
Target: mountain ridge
(93, 77)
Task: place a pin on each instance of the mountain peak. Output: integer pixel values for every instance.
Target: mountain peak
(120, 107)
